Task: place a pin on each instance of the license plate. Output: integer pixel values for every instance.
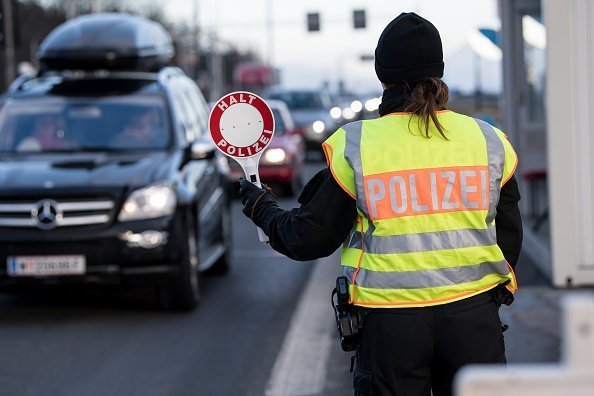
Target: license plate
(46, 265)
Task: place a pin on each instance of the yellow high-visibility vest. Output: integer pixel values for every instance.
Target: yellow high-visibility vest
(425, 228)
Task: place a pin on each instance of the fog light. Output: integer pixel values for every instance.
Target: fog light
(147, 239)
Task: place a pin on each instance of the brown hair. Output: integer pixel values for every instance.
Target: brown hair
(427, 97)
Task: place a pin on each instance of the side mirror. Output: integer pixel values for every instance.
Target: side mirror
(202, 148)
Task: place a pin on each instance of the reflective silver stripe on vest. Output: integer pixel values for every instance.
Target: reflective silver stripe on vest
(429, 241)
(352, 153)
(496, 157)
(425, 278)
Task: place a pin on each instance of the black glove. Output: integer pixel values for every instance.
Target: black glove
(252, 195)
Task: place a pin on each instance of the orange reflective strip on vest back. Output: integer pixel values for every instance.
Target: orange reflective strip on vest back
(425, 191)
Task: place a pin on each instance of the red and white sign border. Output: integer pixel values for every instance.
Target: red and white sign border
(254, 148)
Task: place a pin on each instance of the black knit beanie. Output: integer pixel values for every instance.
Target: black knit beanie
(409, 49)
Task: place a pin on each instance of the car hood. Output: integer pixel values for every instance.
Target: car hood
(82, 169)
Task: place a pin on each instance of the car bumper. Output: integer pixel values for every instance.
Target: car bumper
(110, 256)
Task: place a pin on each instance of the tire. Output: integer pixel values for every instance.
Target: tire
(182, 293)
(223, 263)
(294, 187)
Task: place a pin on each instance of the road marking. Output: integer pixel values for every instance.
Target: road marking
(301, 365)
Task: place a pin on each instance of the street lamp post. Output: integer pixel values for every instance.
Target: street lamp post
(8, 41)
(478, 86)
(216, 71)
(269, 33)
(97, 6)
(195, 32)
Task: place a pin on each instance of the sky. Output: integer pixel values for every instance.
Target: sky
(308, 59)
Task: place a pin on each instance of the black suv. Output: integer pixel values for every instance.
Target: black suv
(107, 172)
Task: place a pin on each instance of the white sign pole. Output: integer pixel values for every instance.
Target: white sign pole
(250, 168)
(242, 125)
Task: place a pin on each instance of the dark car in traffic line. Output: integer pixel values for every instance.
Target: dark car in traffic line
(107, 172)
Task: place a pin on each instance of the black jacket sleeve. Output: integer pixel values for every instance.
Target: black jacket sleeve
(315, 229)
(508, 222)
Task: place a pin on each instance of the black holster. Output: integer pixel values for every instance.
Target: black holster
(349, 319)
(501, 295)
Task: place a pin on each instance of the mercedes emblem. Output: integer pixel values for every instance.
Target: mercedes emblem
(46, 214)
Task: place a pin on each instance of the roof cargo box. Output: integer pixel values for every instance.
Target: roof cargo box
(112, 41)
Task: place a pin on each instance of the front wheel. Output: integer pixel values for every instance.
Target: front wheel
(294, 186)
(182, 292)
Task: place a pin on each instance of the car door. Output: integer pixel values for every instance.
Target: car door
(210, 186)
(197, 176)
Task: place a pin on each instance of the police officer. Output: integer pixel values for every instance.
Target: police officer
(425, 204)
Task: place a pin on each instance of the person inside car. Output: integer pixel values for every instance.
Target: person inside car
(47, 134)
(143, 129)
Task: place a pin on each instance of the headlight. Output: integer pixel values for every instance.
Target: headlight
(356, 106)
(150, 202)
(275, 155)
(372, 104)
(318, 126)
(335, 112)
(348, 113)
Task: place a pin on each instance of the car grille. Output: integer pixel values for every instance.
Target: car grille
(47, 214)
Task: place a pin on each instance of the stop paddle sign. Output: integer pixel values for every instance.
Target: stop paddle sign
(242, 125)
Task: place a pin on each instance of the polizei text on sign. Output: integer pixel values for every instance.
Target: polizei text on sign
(247, 151)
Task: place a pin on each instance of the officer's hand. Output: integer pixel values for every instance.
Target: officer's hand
(252, 195)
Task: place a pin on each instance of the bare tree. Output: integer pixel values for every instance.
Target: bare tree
(30, 25)
(73, 8)
(34, 19)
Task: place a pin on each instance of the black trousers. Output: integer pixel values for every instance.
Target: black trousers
(413, 351)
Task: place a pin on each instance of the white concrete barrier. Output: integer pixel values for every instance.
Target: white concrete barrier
(573, 376)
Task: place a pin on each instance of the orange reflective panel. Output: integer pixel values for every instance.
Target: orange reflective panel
(425, 191)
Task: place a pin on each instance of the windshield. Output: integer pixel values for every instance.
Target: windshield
(301, 100)
(50, 124)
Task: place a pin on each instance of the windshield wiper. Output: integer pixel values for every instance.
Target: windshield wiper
(97, 149)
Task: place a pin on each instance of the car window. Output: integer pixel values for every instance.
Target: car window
(299, 100)
(198, 105)
(326, 100)
(192, 113)
(79, 124)
(183, 115)
(279, 123)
